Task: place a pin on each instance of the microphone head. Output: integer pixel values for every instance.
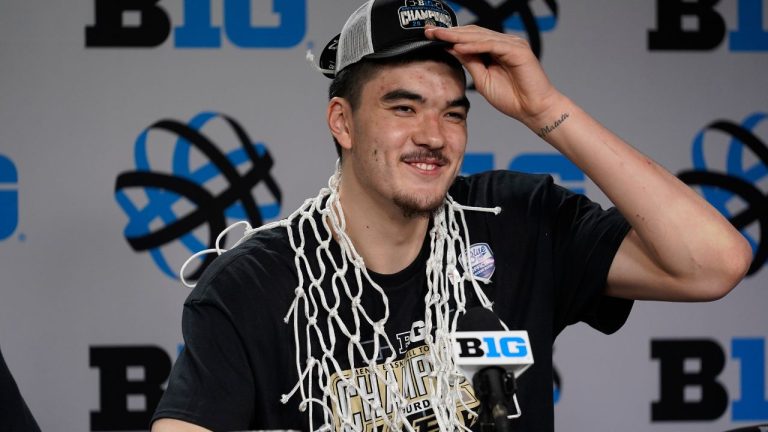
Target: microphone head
(479, 319)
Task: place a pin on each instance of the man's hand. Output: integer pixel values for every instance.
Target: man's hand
(504, 69)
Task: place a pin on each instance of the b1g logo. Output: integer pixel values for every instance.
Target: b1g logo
(689, 380)
(730, 164)
(478, 349)
(144, 23)
(491, 347)
(696, 25)
(201, 189)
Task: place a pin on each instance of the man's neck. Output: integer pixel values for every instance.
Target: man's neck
(383, 235)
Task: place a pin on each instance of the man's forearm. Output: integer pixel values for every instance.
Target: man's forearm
(173, 425)
(697, 252)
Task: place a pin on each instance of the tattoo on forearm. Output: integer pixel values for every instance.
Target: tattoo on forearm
(546, 130)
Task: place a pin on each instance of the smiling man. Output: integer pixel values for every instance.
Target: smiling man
(338, 317)
(402, 143)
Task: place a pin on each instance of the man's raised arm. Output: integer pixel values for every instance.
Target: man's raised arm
(680, 248)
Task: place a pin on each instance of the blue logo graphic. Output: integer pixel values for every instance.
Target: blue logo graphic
(9, 198)
(151, 196)
(565, 172)
(511, 16)
(731, 184)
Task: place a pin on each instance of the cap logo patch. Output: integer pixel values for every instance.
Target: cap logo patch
(480, 260)
(420, 13)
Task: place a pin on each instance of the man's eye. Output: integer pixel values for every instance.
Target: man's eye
(457, 115)
(403, 109)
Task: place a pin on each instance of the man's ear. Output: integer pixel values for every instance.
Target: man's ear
(339, 116)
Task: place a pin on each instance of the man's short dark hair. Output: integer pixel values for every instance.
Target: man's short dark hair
(349, 82)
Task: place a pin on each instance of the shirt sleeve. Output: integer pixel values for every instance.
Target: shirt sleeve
(232, 370)
(586, 239)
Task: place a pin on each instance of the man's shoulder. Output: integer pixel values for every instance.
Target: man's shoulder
(265, 256)
(495, 187)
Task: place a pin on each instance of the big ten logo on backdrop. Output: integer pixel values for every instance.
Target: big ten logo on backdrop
(730, 166)
(131, 380)
(690, 385)
(245, 23)
(9, 198)
(698, 25)
(532, 17)
(565, 172)
(191, 180)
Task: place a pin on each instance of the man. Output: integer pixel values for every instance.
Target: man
(370, 274)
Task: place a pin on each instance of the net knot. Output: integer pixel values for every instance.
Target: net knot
(379, 327)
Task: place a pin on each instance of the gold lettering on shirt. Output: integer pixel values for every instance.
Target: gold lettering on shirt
(411, 373)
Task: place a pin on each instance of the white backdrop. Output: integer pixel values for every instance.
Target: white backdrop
(71, 122)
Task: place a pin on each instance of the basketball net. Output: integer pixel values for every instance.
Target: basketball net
(448, 275)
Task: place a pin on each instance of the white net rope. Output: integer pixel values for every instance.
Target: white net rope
(448, 275)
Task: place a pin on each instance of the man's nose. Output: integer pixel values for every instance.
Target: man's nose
(430, 132)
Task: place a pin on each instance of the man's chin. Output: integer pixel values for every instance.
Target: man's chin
(418, 208)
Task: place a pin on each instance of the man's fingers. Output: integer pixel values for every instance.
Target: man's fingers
(454, 35)
(474, 64)
(498, 52)
(479, 47)
(466, 29)
(470, 41)
(466, 34)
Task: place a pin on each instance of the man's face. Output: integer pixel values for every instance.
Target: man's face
(408, 136)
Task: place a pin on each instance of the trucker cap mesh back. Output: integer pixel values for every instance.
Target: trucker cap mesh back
(355, 41)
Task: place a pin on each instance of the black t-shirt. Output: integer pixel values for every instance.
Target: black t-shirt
(547, 255)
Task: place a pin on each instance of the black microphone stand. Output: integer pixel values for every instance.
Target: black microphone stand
(495, 387)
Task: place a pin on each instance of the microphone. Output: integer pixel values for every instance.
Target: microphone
(493, 358)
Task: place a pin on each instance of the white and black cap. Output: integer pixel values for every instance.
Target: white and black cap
(384, 28)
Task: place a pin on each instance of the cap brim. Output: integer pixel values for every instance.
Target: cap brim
(405, 48)
(327, 62)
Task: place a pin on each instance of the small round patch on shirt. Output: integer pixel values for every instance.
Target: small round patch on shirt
(481, 260)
